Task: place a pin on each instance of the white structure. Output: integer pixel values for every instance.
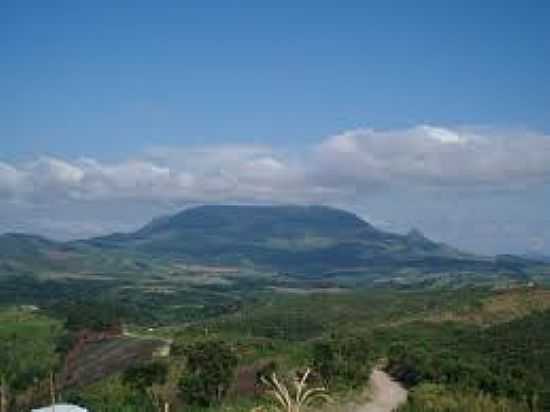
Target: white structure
(61, 407)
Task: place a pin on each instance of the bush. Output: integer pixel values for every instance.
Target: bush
(141, 377)
(508, 360)
(95, 316)
(209, 372)
(343, 362)
(438, 398)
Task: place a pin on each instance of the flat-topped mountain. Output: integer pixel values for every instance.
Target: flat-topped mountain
(257, 224)
(287, 238)
(305, 240)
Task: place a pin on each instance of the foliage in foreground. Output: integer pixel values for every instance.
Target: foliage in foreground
(508, 360)
(113, 395)
(437, 398)
(208, 372)
(27, 356)
(504, 362)
(299, 399)
(343, 362)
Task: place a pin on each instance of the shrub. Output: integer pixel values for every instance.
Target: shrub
(141, 377)
(298, 399)
(344, 362)
(209, 371)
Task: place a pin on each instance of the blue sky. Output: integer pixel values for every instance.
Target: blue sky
(89, 83)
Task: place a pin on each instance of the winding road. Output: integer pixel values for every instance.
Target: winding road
(386, 395)
(383, 394)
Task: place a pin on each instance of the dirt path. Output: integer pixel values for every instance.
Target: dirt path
(386, 395)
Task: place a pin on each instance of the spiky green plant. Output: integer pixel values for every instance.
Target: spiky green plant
(300, 399)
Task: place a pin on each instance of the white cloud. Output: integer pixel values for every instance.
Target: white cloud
(11, 181)
(442, 135)
(427, 155)
(349, 163)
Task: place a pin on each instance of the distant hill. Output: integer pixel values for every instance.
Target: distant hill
(308, 240)
(21, 253)
(19, 244)
(540, 257)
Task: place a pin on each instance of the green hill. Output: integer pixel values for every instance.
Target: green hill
(303, 240)
(283, 238)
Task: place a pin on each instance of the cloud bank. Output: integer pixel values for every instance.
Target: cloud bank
(427, 155)
(356, 160)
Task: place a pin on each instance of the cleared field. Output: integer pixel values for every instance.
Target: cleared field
(102, 359)
(500, 306)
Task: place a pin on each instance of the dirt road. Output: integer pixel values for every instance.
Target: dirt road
(386, 395)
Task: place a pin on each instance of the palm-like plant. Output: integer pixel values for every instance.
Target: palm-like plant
(302, 397)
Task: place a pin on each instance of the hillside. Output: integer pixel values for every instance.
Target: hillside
(282, 238)
(22, 254)
(308, 240)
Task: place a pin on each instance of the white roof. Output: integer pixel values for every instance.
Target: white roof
(61, 407)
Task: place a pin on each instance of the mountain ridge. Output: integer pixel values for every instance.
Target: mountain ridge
(281, 237)
(295, 239)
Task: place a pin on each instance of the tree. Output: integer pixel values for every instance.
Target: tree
(147, 378)
(343, 361)
(209, 371)
(8, 369)
(92, 315)
(143, 376)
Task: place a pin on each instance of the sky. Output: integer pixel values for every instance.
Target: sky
(432, 115)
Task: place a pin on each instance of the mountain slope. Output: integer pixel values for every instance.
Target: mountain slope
(308, 240)
(283, 238)
(22, 254)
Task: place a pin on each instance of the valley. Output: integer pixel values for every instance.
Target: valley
(269, 289)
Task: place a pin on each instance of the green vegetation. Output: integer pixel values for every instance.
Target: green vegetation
(98, 316)
(130, 300)
(141, 377)
(27, 350)
(343, 362)
(298, 240)
(296, 399)
(112, 395)
(266, 290)
(464, 348)
(507, 360)
(209, 368)
(313, 242)
(244, 291)
(438, 398)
